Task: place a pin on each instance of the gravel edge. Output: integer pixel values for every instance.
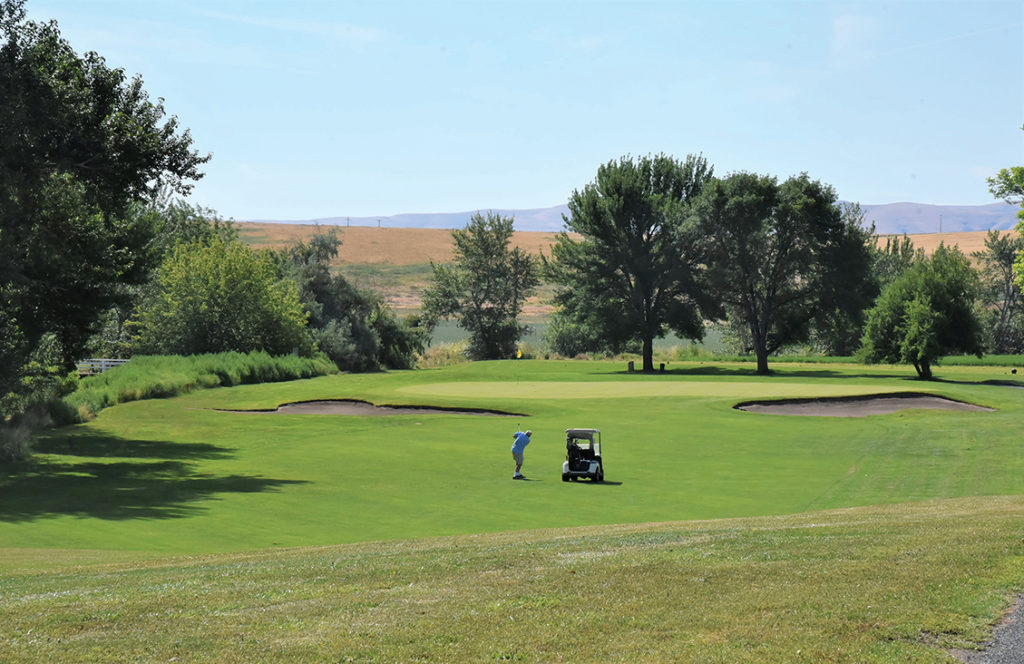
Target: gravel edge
(1007, 643)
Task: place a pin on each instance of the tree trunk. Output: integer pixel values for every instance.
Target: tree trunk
(924, 369)
(762, 361)
(761, 350)
(648, 354)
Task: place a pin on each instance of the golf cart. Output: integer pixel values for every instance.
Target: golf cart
(582, 455)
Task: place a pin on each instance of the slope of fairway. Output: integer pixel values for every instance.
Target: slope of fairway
(177, 476)
(863, 585)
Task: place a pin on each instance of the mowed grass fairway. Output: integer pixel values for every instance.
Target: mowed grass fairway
(149, 533)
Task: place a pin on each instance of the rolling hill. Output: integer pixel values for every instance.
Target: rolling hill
(889, 218)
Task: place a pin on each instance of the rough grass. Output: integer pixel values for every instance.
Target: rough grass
(161, 376)
(881, 584)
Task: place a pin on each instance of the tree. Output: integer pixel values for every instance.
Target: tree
(635, 272)
(175, 221)
(214, 296)
(890, 262)
(181, 222)
(484, 287)
(80, 143)
(1000, 296)
(925, 314)
(1008, 184)
(780, 255)
(839, 319)
(355, 329)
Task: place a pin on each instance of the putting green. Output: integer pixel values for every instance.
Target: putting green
(645, 389)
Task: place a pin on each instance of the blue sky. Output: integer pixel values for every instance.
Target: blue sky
(317, 108)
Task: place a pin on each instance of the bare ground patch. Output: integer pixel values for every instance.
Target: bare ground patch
(858, 406)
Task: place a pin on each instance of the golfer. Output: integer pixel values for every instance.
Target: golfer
(521, 441)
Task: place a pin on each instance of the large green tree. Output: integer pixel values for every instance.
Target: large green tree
(356, 329)
(484, 287)
(80, 143)
(925, 314)
(1008, 184)
(175, 221)
(634, 272)
(215, 296)
(779, 255)
(839, 318)
(1002, 313)
(892, 260)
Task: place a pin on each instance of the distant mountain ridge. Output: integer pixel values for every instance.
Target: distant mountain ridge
(910, 218)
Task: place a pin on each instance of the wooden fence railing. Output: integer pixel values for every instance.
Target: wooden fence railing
(95, 366)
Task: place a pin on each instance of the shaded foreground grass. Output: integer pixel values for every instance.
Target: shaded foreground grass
(877, 584)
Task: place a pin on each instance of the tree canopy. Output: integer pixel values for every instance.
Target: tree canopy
(1002, 309)
(79, 144)
(779, 255)
(216, 296)
(892, 260)
(357, 330)
(925, 314)
(484, 287)
(636, 272)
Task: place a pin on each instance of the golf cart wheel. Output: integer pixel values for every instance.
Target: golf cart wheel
(565, 478)
(600, 474)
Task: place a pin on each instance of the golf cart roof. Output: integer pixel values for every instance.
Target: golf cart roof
(582, 433)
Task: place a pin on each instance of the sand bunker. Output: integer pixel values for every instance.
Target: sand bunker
(364, 408)
(862, 406)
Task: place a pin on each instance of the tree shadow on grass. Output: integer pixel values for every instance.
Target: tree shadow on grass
(985, 383)
(164, 485)
(89, 443)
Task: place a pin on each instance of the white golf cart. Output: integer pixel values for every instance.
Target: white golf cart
(582, 455)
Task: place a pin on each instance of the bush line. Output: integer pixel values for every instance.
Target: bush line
(161, 376)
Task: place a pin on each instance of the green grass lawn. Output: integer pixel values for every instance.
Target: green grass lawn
(87, 529)
(176, 476)
(880, 584)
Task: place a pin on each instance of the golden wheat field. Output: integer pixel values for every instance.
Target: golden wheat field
(418, 246)
(382, 246)
(968, 242)
(395, 262)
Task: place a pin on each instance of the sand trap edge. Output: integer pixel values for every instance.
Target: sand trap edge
(361, 408)
(858, 405)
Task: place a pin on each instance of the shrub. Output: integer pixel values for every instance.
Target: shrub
(444, 355)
